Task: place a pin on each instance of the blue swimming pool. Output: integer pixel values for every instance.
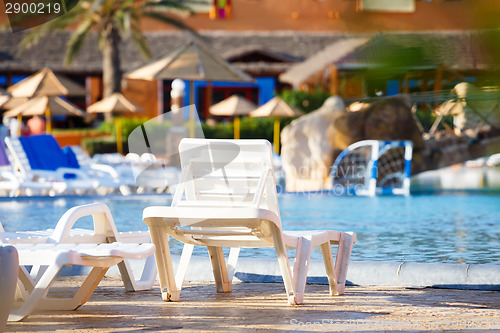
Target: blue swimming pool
(453, 227)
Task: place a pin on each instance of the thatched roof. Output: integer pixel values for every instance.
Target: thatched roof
(50, 51)
(275, 51)
(191, 61)
(456, 50)
(329, 55)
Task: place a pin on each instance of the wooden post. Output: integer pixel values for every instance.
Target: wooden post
(276, 140)
(119, 143)
(333, 80)
(208, 100)
(160, 93)
(19, 124)
(191, 109)
(406, 84)
(438, 79)
(48, 124)
(236, 125)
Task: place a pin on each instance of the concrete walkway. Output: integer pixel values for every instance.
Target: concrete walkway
(262, 307)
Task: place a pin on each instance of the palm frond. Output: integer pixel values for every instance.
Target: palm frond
(37, 34)
(123, 20)
(76, 41)
(141, 43)
(177, 7)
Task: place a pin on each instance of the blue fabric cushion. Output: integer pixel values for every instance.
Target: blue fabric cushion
(71, 159)
(44, 153)
(30, 153)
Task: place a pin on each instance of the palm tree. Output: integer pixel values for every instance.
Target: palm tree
(113, 20)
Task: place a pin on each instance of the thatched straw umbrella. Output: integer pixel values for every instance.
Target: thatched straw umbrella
(235, 106)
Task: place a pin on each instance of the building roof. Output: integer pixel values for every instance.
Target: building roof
(250, 52)
(329, 55)
(462, 51)
(50, 51)
(456, 49)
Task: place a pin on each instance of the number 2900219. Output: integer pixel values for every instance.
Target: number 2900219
(32, 7)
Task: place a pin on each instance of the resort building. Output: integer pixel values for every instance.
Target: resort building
(353, 48)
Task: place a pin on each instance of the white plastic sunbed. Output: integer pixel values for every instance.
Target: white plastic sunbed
(9, 264)
(227, 198)
(124, 180)
(100, 248)
(13, 183)
(80, 184)
(140, 174)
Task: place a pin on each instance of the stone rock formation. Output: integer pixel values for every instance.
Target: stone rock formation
(386, 119)
(306, 154)
(311, 143)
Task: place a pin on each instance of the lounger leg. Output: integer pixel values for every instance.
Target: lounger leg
(26, 281)
(234, 253)
(284, 267)
(147, 278)
(37, 271)
(148, 275)
(342, 260)
(21, 293)
(38, 292)
(169, 291)
(301, 267)
(220, 270)
(326, 250)
(81, 297)
(187, 251)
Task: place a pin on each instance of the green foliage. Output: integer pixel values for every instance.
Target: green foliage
(128, 125)
(123, 15)
(304, 100)
(113, 21)
(101, 145)
(250, 128)
(84, 131)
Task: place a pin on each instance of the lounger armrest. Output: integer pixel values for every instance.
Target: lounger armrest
(108, 169)
(103, 222)
(9, 176)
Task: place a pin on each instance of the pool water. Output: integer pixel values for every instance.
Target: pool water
(453, 227)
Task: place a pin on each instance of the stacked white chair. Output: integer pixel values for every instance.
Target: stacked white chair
(227, 198)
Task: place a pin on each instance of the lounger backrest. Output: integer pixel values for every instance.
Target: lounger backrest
(44, 153)
(20, 160)
(226, 173)
(4, 159)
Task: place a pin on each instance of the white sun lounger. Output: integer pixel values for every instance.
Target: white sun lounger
(9, 264)
(14, 183)
(104, 231)
(227, 198)
(124, 180)
(102, 248)
(80, 184)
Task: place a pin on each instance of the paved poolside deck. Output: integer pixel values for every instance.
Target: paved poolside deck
(262, 307)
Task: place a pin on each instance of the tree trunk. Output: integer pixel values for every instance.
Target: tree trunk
(111, 73)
